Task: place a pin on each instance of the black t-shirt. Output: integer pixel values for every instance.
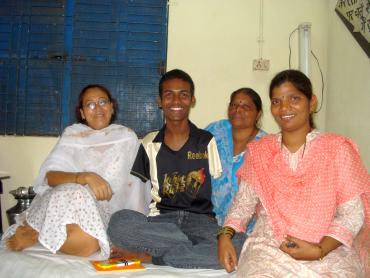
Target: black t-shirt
(181, 180)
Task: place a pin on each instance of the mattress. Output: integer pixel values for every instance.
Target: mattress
(38, 262)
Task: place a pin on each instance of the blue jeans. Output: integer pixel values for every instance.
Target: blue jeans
(180, 239)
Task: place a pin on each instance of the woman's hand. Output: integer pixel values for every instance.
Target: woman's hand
(301, 249)
(226, 253)
(97, 184)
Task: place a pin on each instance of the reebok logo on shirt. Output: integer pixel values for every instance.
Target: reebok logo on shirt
(199, 155)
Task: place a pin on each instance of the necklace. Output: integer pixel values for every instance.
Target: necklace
(251, 136)
(240, 145)
(304, 146)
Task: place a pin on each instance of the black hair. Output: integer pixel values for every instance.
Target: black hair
(252, 94)
(299, 80)
(176, 74)
(80, 104)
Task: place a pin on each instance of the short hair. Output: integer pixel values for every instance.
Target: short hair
(176, 74)
(299, 80)
(80, 104)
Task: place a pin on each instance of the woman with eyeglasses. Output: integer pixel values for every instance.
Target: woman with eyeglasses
(232, 135)
(83, 181)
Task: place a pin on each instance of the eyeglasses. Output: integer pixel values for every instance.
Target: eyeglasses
(101, 102)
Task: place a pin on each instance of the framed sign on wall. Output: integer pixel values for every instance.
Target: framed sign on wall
(355, 14)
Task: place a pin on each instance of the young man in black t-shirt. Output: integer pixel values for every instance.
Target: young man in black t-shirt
(180, 178)
(179, 161)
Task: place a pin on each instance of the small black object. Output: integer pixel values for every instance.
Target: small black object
(291, 244)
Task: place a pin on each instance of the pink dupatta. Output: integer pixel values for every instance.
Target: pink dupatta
(302, 203)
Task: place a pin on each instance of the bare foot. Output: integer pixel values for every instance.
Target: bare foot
(129, 255)
(24, 237)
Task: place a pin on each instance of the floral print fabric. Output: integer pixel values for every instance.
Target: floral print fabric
(109, 153)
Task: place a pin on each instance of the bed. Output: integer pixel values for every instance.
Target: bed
(38, 262)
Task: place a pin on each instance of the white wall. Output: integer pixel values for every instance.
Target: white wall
(21, 157)
(215, 41)
(348, 111)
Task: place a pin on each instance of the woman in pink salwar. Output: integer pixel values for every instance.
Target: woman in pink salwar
(311, 193)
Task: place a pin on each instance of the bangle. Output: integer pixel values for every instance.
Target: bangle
(226, 231)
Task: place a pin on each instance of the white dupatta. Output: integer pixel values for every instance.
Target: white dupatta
(110, 153)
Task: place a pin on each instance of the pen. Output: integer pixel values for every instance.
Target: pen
(126, 262)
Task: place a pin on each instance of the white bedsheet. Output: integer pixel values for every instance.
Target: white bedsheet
(37, 262)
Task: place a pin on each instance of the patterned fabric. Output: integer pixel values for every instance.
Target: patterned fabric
(291, 198)
(362, 246)
(225, 187)
(110, 153)
(261, 256)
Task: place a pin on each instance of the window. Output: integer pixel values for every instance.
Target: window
(51, 49)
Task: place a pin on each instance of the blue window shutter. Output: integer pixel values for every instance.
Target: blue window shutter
(50, 50)
(34, 78)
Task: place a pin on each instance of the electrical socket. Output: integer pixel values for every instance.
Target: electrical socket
(261, 64)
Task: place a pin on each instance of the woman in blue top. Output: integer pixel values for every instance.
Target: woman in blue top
(232, 136)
